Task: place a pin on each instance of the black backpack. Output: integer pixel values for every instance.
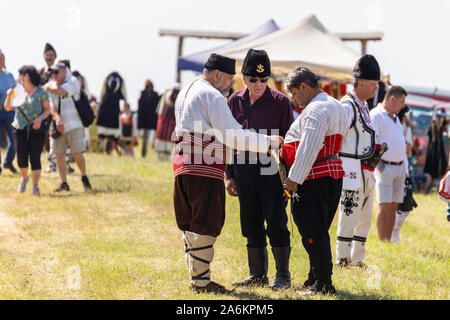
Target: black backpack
(84, 109)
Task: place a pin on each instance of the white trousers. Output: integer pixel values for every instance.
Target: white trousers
(355, 218)
(199, 253)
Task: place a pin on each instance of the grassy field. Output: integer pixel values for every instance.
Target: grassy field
(120, 241)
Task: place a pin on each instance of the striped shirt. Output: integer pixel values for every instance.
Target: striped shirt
(323, 118)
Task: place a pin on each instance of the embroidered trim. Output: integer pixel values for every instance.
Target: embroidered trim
(349, 200)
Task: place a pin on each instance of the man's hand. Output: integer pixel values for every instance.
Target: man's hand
(230, 185)
(291, 185)
(59, 124)
(37, 123)
(276, 141)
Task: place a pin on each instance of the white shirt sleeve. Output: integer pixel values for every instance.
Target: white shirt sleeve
(72, 88)
(376, 127)
(230, 131)
(311, 141)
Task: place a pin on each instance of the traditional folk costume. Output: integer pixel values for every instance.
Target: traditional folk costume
(356, 204)
(147, 117)
(113, 91)
(166, 123)
(204, 129)
(129, 131)
(311, 148)
(444, 191)
(261, 195)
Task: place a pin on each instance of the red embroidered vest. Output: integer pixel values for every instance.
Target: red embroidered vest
(329, 168)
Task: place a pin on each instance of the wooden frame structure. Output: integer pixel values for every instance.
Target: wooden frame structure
(363, 37)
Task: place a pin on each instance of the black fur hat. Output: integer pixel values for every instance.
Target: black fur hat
(49, 47)
(256, 64)
(367, 68)
(221, 63)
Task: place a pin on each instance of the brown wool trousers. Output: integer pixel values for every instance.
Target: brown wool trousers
(199, 204)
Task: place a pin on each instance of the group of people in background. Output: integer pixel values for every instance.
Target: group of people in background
(51, 95)
(49, 98)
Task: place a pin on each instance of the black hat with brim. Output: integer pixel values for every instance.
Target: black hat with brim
(49, 47)
(221, 63)
(256, 64)
(367, 68)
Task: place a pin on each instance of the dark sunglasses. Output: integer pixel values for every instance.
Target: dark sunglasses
(255, 79)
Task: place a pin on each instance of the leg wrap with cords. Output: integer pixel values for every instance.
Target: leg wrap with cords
(199, 253)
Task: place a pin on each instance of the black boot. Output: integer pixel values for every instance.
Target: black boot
(283, 276)
(258, 264)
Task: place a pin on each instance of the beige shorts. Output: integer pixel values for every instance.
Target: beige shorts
(390, 184)
(73, 139)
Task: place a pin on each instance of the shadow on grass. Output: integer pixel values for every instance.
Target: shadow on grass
(340, 295)
(90, 192)
(345, 295)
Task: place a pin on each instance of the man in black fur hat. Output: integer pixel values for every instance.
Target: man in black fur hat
(356, 204)
(260, 194)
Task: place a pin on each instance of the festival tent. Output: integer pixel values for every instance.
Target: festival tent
(305, 43)
(196, 61)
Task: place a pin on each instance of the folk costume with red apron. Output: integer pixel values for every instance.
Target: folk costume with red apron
(315, 138)
(204, 126)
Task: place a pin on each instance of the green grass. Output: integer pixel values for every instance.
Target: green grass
(123, 240)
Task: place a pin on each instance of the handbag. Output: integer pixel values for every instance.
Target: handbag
(84, 109)
(53, 129)
(42, 129)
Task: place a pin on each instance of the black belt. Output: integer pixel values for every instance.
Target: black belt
(330, 157)
(393, 163)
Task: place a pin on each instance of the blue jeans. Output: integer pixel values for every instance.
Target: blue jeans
(6, 119)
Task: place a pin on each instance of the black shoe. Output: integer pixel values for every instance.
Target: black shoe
(212, 287)
(63, 187)
(343, 262)
(70, 169)
(86, 183)
(10, 167)
(252, 281)
(308, 283)
(319, 288)
(360, 264)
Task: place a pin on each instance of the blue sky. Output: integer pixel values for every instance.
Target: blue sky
(101, 36)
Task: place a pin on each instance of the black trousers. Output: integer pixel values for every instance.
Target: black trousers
(261, 200)
(313, 215)
(29, 149)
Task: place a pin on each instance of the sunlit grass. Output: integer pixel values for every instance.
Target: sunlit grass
(123, 240)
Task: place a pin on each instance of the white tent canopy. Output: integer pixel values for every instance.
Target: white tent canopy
(305, 43)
